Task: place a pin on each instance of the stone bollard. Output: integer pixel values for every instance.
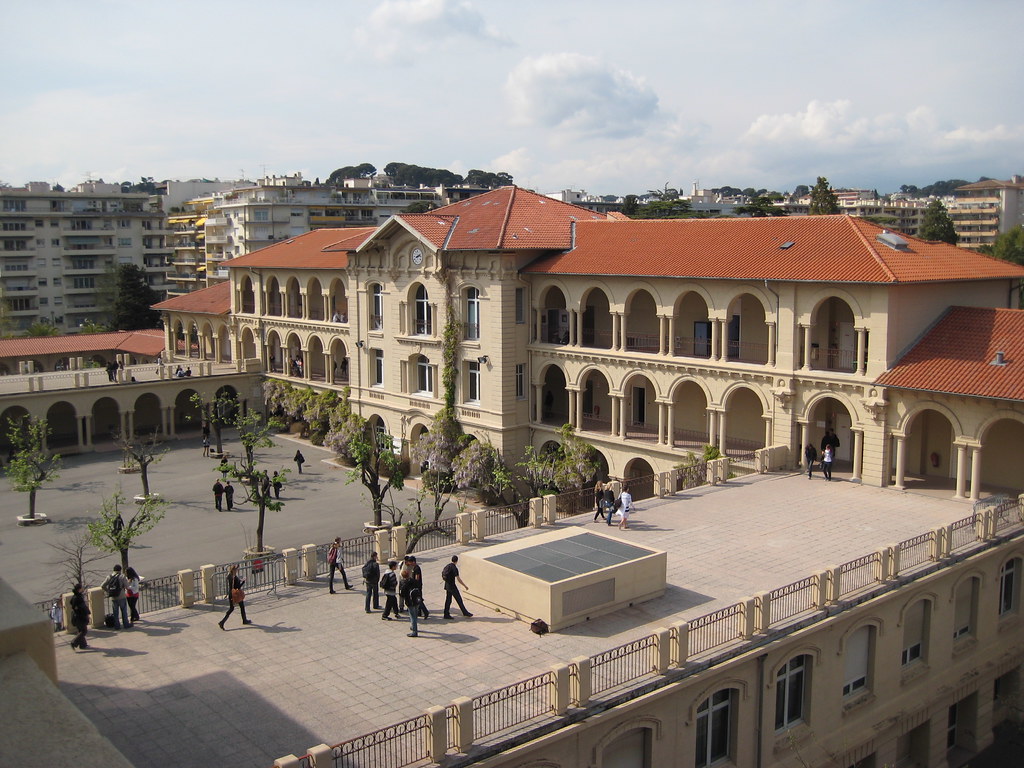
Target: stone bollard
(209, 588)
(681, 646)
(560, 688)
(382, 545)
(584, 681)
(463, 527)
(186, 587)
(437, 736)
(536, 512)
(291, 565)
(309, 562)
(463, 723)
(479, 524)
(399, 541)
(321, 756)
(98, 606)
(549, 510)
(288, 761)
(664, 652)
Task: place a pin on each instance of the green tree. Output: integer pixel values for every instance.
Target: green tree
(218, 413)
(936, 224)
(129, 299)
(110, 532)
(420, 206)
(31, 465)
(664, 209)
(141, 451)
(39, 328)
(760, 207)
(565, 468)
(361, 171)
(254, 432)
(90, 326)
(1009, 246)
(823, 199)
(630, 203)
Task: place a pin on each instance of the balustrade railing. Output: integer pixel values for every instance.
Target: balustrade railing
(511, 706)
(395, 746)
(858, 574)
(715, 629)
(793, 599)
(641, 488)
(915, 551)
(574, 502)
(643, 342)
(624, 664)
(504, 519)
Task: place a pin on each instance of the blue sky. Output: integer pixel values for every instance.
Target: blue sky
(610, 97)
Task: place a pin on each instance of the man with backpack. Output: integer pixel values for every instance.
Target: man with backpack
(371, 573)
(389, 583)
(450, 577)
(116, 587)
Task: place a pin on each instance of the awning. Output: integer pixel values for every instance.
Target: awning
(200, 221)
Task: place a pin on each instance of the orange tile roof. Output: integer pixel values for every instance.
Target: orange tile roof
(318, 249)
(836, 248)
(509, 218)
(213, 300)
(956, 356)
(148, 342)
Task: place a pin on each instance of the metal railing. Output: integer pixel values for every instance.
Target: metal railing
(511, 706)
(262, 574)
(441, 533)
(691, 476)
(916, 550)
(747, 460)
(641, 487)
(793, 599)
(643, 342)
(621, 665)
(714, 629)
(574, 502)
(159, 594)
(395, 746)
(504, 519)
(962, 532)
(352, 553)
(858, 574)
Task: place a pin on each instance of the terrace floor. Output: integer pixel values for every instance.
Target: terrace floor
(177, 691)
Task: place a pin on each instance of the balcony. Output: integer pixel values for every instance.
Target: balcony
(217, 221)
(216, 239)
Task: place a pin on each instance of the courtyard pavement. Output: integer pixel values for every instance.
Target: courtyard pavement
(313, 667)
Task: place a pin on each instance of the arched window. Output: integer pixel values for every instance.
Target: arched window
(791, 692)
(472, 314)
(915, 632)
(424, 376)
(1009, 586)
(714, 727)
(423, 325)
(376, 307)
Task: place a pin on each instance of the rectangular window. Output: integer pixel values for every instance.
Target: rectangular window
(473, 381)
(914, 624)
(520, 306)
(520, 381)
(124, 223)
(857, 654)
(40, 241)
(55, 242)
(714, 718)
(83, 264)
(789, 693)
(964, 609)
(57, 281)
(83, 282)
(124, 242)
(15, 245)
(261, 214)
(58, 300)
(472, 314)
(43, 301)
(378, 367)
(15, 226)
(424, 377)
(1008, 586)
(14, 205)
(42, 281)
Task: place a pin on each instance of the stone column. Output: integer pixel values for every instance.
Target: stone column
(712, 427)
(623, 414)
(975, 472)
(961, 471)
(305, 363)
(616, 330)
(901, 462)
(123, 418)
(858, 454)
(573, 422)
(131, 424)
(716, 339)
(216, 349)
(662, 333)
(82, 432)
(671, 334)
(573, 325)
(771, 344)
(807, 346)
(173, 432)
(536, 324)
(769, 432)
(671, 415)
(328, 368)
(616, 406)
(538, 413)
(805, 435)
(579, 409)
(721, 431)
(662, 423)
(862, 341)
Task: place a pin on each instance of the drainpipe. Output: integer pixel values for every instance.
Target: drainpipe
(760, 708)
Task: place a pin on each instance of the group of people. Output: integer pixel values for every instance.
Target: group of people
(829, 444)
(606, 504)
(183, 373)
(123, 586)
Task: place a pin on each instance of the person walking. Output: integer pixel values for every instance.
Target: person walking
(218, 494)
(116, 587)
(450, 577)
(229, 495)
(236, 596)
(810, 456)
(826, 462)
(389, 583)
(134, 590)
(277, 481)
(79, 616)
(206, 445)
(417, 577)
(413, 599)
(335, 564)
(598, 501)
(609, 501)
(299, 460)
(626, 506)
(371, 575)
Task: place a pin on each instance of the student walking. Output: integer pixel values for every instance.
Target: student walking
(626, 502)
(599, 501)
(206, 445)
(218, 494)
(371, 575)
(335, 564)
(810, 456)
(299, 460)
(451, 579)
(389, 583)
(277, 481)
(826, 462)
(229, 495)
(413, 599)
(236, 596)
(79, 616)
(609, 501)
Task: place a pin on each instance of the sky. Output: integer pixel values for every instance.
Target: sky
(606, 97)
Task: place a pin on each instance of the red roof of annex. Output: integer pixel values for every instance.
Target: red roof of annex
(958, 356)
(147, 342)
(212, 300)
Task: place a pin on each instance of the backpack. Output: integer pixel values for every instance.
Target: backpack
(112, 587)
(618, 503)
(388, 580)
(367, 569)
(448, 573)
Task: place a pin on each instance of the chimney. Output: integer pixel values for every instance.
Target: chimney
(1000, 359)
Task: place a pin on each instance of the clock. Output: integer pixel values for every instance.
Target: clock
(417, 256)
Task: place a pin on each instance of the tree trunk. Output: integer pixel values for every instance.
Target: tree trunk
(124, 560)
(261, 505)
(144, 472)
(32, 504)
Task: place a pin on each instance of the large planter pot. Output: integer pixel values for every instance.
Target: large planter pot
(39, 519)
(371, 527)
(251, 554)
(141, 498)
(128, 470)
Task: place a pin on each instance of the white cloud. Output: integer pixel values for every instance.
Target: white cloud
(580, 95)
(404, 31)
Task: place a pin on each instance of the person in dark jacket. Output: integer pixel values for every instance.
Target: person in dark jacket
(79, 616)
(229, 495)
(218, 494)
(371, 575)
(810, 456)
(450, 577)
(299, 460)
(235, 596)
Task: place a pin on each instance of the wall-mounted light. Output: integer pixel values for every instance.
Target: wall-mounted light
(482, 359)
(360, 344)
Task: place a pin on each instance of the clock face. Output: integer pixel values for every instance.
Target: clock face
(417, 256)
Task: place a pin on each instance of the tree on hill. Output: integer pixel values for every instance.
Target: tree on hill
(823, 199)
(420, 206)
(478, 178)
(664, 209)
(128, 299)
(361, 171)
(936, 224)
(406, 175)
(800, 190)
(760, 207)
(630, 204)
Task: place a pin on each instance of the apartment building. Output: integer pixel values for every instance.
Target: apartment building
(651, 339)
(56, 246)
(986, 209)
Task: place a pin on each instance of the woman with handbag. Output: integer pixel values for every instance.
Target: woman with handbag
(235, 596)
(134, 590)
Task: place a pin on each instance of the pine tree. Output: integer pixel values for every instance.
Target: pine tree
(936, 224)
(823, 199)
(132, 301)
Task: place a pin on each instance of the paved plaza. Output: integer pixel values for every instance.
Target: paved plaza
(319, 505)
(177, 691)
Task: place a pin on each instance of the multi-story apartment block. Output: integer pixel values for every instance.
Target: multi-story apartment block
(57, 245)
(986, 209)
(651, 339)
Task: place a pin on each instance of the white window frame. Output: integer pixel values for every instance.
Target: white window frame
(422, 316)
(472, 314)
(424, 376)
(378, 368)
(473, 381)
(714, 713)
(791, 683)
(1009, 586)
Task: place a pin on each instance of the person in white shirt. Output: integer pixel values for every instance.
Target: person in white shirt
(626, 500)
